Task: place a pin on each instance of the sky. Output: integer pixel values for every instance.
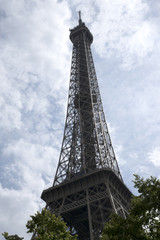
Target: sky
(35, 61)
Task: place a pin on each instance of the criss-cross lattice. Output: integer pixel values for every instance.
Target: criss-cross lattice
(86, 143)
(88, 186)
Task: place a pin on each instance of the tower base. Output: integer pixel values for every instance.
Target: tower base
(86, 202)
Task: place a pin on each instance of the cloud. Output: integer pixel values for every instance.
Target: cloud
(154, 157)
(121, 28)
(32, 156)
(34, 71)
(10, 109)
(17, 207)
(29, 59)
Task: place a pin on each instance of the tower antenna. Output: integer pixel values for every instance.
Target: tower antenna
(80, 20)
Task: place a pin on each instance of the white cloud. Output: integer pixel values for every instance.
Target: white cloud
(31, 170)
(120, 28)
(31, 161)
(17, 207)
(133, 155)
(154, 157)
(10, 103)
(29, 59)
(34, 71)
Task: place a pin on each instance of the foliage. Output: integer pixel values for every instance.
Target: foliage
(11, 237)
(143, 221)
(48, 227)
(45, 226)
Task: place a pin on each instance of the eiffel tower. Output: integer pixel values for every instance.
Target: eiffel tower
(88, 185)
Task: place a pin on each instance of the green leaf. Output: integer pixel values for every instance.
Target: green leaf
(143, 221)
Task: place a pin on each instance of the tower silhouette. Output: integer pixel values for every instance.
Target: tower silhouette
(88, 186)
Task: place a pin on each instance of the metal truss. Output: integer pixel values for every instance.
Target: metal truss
(88, 186)
(86, 143)
(87, 202)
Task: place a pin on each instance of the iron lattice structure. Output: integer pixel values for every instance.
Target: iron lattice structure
(88, 186)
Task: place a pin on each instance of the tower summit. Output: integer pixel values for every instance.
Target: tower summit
(88, 186)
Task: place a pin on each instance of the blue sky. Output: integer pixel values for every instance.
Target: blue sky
(34, 76)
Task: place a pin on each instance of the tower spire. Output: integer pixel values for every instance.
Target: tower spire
(80, 20)
(88, 185)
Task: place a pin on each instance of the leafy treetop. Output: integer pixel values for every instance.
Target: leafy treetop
(45, 226)
(143, 221)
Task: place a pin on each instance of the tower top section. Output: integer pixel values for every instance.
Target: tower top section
(80, 20)
(80, 31)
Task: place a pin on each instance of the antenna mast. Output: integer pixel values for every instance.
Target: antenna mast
(80, 20)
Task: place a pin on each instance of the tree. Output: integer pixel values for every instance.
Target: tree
(143, 221)
(45, 226)
(48, 227)
(11, 237)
